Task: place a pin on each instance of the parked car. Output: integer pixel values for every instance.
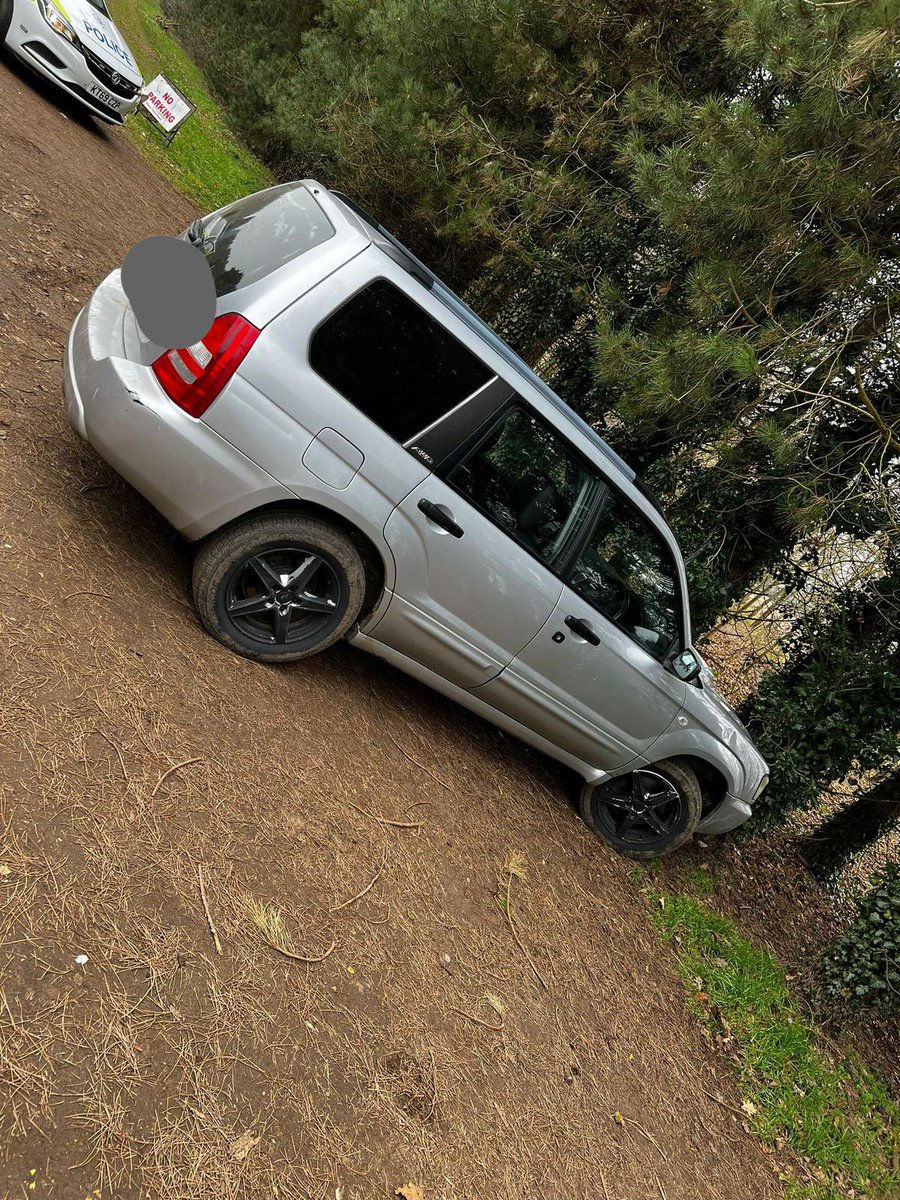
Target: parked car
(77, 46)
(359, 456)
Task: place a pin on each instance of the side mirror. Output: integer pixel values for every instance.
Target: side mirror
(686, 665)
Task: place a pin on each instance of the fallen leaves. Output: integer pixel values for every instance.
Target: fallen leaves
(410, 1191)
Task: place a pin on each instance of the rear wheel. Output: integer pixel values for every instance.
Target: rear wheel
(645, 814)
(279, 587)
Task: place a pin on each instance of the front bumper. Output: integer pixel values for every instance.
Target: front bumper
(187, 471)
(35, 43)
(728, 814)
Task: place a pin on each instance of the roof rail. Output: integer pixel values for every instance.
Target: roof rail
(391, 246)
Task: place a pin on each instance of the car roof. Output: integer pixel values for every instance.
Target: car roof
(405, 257)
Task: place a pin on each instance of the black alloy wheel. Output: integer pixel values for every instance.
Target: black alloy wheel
(646, 813)
(279, 586)
(287, 595)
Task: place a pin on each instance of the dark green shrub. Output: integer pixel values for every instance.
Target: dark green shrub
(834, 704)
(862, 966)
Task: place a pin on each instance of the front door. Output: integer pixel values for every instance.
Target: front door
(476, 548)
(593, 679)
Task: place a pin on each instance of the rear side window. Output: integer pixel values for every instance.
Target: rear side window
(387, 356)
(259, 234)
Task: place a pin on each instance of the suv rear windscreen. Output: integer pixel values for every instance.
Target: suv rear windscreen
(257, 235)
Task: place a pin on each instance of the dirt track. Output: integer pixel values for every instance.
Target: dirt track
(133, 749)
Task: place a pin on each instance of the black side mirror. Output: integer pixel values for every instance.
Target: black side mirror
(686, 665)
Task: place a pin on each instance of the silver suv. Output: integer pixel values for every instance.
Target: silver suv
(359, 455)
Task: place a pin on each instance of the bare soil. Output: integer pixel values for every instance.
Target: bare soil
(425, 1048)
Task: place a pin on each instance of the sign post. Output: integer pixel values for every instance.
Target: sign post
(165, 106)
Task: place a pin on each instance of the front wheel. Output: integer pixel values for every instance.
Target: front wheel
(279, 587)
(648, 813)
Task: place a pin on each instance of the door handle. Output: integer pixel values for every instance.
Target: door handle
(435, 513)
(583, 630)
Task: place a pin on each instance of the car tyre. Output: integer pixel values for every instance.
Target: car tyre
(279, 587)
(647, 813)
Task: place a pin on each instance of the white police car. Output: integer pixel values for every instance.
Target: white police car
(76, 44)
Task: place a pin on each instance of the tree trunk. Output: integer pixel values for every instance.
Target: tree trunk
(850, 830)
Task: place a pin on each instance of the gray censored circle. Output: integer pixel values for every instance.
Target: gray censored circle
(170, 288)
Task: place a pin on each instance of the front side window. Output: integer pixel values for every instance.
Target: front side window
(388, 357)
(524, 477)
(627, 572)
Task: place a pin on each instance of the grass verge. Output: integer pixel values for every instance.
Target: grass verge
(833, 1113)
(205, 161)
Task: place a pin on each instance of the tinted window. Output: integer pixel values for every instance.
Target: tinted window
(524, 477)
(257, 235)
(627, 572)
(393, 361)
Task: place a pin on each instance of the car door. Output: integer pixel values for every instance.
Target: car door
(593, 680)
(476, 546)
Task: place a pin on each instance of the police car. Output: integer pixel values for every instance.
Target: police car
(76, 44)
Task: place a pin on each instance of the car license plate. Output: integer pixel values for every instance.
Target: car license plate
(103, 95)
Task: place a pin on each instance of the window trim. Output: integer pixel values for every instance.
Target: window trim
(439, 440)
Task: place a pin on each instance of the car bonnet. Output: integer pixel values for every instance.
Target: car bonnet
(101, 37)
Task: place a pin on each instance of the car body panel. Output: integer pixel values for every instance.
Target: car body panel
(197, 479)
(614, 697)
(463, 606)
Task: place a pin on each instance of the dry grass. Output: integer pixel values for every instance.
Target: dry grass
(414, 1038)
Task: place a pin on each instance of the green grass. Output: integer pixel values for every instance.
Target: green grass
(205, 161)
(835, 1114)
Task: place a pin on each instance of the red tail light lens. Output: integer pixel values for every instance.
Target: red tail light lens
(194, 377)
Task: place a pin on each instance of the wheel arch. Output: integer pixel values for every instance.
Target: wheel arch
(377, 568)
(712, 780)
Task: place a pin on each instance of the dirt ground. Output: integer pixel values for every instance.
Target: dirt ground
(424, 1047)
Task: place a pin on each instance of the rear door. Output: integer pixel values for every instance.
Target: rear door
(593, 680)
(477, 546)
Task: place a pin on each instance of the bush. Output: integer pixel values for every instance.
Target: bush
(863, 965)
(835, 703)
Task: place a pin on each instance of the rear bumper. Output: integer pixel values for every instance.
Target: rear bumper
(196, 479)
(32, 40)
(727, 815)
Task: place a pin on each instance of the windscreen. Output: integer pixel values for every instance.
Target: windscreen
(257, 235)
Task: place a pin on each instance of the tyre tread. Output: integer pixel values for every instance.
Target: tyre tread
(222, 549)
(685, 779)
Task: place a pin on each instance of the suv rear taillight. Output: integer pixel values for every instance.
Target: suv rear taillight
(195, 376)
